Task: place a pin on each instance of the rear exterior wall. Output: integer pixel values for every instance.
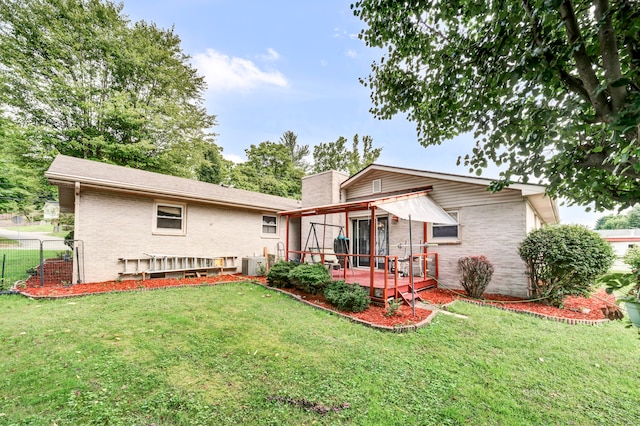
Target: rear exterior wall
(114, 225)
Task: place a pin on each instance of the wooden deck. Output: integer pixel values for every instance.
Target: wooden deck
(379, 291)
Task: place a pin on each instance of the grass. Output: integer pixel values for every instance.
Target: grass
(16, 263)
(7, 242)
(214, 355)
(45, 229)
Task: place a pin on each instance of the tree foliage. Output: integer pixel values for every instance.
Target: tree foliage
(88, 83)
(564, 260)
(551, 88)
(298, 152)
(336, 155)
(268, 169)
(629, 220)
(22, 184)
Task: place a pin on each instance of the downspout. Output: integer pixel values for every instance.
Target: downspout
(286, 241)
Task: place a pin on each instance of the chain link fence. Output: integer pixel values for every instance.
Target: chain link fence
(36, 263)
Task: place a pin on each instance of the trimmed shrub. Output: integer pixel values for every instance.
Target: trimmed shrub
(476, 274)
(278, 275)
(564, 260)
(632, 258)
(347, 297)
(309, 278)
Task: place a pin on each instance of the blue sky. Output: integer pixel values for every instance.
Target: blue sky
(279, 65)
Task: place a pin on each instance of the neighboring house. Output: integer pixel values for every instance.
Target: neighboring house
(124, 213)
(51, 211)
(621, 240)
(490, 224)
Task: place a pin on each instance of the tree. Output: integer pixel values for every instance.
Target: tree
(336, 156)
(551, 88)
(215, 169)
(621, 221)
(90, 84)
(298, 152)
(22, 183)
(268, 169)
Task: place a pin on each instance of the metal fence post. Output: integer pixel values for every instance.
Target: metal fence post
(41, 265)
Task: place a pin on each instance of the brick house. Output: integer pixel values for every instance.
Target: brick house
(123, 213)
(490, 224)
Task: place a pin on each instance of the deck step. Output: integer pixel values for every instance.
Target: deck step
(408, 297)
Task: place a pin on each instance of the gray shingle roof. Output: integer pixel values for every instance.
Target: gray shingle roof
(68, 170)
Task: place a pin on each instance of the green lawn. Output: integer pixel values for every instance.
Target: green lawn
(214, 355)
(16, 264)
(45, 229)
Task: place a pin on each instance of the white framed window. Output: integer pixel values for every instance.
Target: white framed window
(377, 186)
(169, 218)
(269, 225)
(446, 233)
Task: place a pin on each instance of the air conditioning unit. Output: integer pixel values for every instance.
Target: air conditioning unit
(252, 265)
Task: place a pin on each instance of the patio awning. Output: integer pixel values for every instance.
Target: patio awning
(421, 209)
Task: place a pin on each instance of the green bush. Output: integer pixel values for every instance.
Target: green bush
(310, 278)
(347, 297)
(632, 258)
(476, 274)
(278, 275)
(564, 260)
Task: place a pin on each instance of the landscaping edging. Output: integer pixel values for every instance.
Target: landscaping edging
(570, 321)
(397, 329)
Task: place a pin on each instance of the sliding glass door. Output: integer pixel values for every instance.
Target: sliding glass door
(362, 241)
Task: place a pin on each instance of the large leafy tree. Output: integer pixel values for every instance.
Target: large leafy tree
(337, 156)
(551, 88)
(88, 83)
(269, 169)
(22, 186)
(298, 152)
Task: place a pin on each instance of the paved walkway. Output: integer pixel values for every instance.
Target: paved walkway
(52, 243)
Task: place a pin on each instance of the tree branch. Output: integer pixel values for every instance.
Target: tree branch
(583, 62)
(599, 160)
(609, 53)
(574, 84)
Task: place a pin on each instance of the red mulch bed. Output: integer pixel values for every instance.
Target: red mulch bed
(576, 308)
(375, 315)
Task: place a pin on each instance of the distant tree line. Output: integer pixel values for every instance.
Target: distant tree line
(629, 220)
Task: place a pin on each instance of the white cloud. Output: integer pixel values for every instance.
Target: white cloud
(351, 53)
(235, 158)
(271, 55)
(226, 73)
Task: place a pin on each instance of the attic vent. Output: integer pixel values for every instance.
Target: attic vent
(377, 186)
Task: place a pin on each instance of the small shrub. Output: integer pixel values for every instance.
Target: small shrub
(393, 306)
(476, 274)
(632, 258)
(564, 260)
(68, 240)
(347, 297)
(309, 278)
(278, 275)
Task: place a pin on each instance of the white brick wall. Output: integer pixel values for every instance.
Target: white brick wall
(114, 225)
(495, 231)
